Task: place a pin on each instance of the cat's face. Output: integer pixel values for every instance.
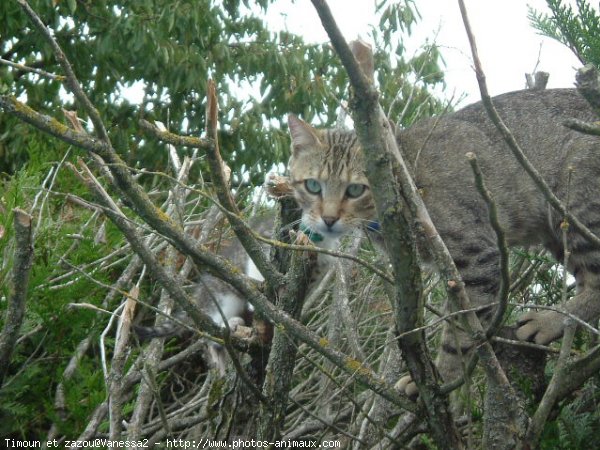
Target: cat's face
(327, 174)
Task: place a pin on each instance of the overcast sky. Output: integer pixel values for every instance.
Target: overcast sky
(508, 46)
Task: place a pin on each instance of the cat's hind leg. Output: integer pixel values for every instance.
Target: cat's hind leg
(477, 259)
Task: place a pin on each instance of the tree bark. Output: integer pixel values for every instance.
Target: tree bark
(17, 297)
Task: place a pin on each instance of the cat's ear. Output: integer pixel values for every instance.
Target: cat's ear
(303, 135)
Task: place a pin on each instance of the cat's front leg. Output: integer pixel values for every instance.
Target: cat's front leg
(545, 326)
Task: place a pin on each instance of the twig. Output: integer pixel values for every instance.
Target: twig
(413, 88)
(323, 422)
(41, 191)
(525, 344)
(17, 297)
(54, 127)
(503, 291)
(445, 318)
(344, 388)
(175, 139)
(341, 305)
(116, 393)
(39, 72)
(381, 411)
(133, 377)
(170, 284)
(113, 290)
(103, 335)
(318, 291)
(338, 254)
(49, 189)
(139, 200)
(151, 357)
(282, 359)
(51, 283)
(71, 80)
(153, 353)
(504, 420)
(583, 127)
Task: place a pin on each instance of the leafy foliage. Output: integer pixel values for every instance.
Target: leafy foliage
(577, 423)
(168, 50)
(577, 27)
(52, 329)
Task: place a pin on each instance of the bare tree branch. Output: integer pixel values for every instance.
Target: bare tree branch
(39, 72)
(282, 360)
(378, 143)
(583, 127)
(220, 181)
(154, 352)
(17, 297)
(503, 291)
(175, 139)
(116, 393)
(140, 248)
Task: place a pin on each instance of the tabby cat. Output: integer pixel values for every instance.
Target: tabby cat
(220, 301)
(327, 174)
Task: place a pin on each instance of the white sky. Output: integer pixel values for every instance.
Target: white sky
(508, 46)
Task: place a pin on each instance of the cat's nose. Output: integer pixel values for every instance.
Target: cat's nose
(329, 220)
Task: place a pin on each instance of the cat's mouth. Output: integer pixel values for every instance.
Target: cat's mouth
(332, 233)
(318, 231)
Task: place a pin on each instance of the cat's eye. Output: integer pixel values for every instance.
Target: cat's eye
(355, 190)
(312, 186)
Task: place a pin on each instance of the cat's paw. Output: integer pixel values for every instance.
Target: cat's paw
(238, 328)
(541, 327)
(407, 387)
(235, 322)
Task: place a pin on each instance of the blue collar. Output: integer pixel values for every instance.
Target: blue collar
(312, 235)
(373, 225)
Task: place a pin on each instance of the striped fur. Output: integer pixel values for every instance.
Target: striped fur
(435, 150)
